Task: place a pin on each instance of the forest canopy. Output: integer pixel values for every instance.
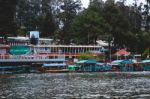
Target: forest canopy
(127, 26)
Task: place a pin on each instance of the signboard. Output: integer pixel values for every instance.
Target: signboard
(34, 34)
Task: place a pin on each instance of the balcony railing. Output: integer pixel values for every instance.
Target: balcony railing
(30, 58)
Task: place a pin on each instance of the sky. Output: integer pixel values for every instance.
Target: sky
(86, 2)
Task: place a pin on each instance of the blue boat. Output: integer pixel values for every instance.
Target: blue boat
(122, 65)
(14, 69)
(54, 68)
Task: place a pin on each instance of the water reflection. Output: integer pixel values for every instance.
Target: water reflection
(76, 85)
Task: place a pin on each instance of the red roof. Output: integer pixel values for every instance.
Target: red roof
(4, 46)
(122, 52)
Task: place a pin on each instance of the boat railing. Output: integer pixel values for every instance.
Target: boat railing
(28, 57)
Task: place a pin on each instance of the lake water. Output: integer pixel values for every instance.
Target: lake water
(105, 85)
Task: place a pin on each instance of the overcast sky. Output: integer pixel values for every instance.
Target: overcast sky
(86, 2)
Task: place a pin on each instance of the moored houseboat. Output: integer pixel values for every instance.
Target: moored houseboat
(146, 65)
(122, 65)
(89, 66)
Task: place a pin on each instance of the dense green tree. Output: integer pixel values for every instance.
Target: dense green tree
(46, 20)
(89, 26)
(98, 4)
(27, 14)
(146, 54)
(7, 16)
(69, 10)
(127, 26)
(36, 15)
(143, 41)
(86, 56)
(146, 15)
(117, 16)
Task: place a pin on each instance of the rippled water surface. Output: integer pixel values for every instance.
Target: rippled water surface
(106, 85)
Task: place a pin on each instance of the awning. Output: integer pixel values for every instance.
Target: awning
(117, 62)
(54, 65)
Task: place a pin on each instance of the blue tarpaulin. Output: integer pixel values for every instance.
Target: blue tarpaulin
(117, 62)
(87, 61)
(146, 61)
(7, 67)
(54, 65)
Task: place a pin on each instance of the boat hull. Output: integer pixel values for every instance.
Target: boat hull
(43, 70)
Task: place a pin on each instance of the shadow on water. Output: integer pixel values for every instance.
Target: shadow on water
(104, 85)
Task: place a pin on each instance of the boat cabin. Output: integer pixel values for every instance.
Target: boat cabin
(122, 65)
(146, 65)
(104, 66)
